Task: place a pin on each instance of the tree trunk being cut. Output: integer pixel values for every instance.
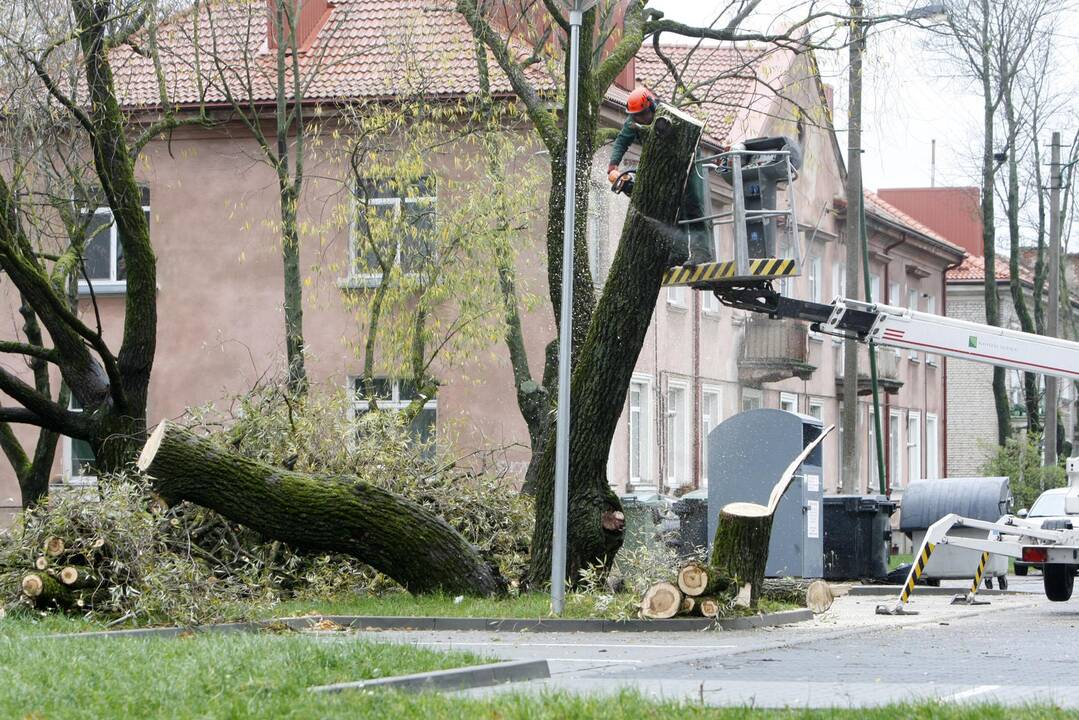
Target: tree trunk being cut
(321, 513)
(651, 241)
(740, 546)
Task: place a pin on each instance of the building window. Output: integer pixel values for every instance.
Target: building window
(813, 277)
(677, 435)
(78, 456)
(752, 399)
(788, 402)
(394, 228)
(816, 409)
(839, 279)
(895, 450)
(874, 288)
(873, 481)
(912, 304)
(676, 296)
(711, 402)
(103, 254)
(639, 423)
(394, 396)
(932, 447)
(893, 294)
(914, 446)
(709, 303)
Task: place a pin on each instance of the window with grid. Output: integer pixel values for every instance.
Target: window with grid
(639, 422)
(394, 227)
(78, 456)
(677, 435)
(104, 269)
(914, 446)
(711, 400)
(394, 396)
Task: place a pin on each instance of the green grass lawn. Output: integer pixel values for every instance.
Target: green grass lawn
(896, 560)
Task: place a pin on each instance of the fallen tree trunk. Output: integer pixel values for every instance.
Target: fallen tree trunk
(813, 594)
(696, 580)
(661, 601)
(321, 513)
(45, 591)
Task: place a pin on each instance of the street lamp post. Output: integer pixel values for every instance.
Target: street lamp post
(565, 331)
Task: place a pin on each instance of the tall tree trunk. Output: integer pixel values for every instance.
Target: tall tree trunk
(992, 302)
(323, 513)
(1031, 393)
(605, 363)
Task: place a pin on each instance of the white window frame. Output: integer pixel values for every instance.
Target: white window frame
(394, 403)
(817, 405)
(932, 446)
(110, 285)
(710, 304)
(874, 287)
(644, 431)
(70, 478)
(912, 304)
(873, 477)
(676, 296)
(813, 277)
(914, 445)
(896, 448)
(839, 287)
(374, 279)
(751, 394)
(678, 423)
(709, 423)
(789, 399)
(895, 291)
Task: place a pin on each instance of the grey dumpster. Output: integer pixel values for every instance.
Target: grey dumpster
(648, 519)
(692, 512)
(926, 501)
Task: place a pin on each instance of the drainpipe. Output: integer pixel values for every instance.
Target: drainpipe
(887, 397)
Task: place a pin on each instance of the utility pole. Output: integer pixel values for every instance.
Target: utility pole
(1050, 440)
(849, 419)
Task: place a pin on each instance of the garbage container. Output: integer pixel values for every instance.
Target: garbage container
(646, 517)
(692, 512)
(857, 536)
(981, 498)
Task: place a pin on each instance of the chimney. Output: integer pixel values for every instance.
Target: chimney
(308, 18)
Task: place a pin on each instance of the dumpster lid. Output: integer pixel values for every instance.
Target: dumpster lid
(980, 498)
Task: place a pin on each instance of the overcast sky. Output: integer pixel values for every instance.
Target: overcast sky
(909, 100)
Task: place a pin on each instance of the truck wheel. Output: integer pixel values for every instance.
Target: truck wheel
(1058, 580)
(1021, 570)
(1002, 582)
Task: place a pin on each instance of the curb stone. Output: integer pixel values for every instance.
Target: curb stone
(456, 679)
(878, 590)
(366, 622)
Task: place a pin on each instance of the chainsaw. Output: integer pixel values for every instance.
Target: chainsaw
(622, 182)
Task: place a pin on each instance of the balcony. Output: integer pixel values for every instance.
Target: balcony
(887, 370)
(773, 350)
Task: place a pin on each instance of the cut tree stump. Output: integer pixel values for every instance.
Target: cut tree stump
(688, 605)
(43, 589)
(696, 580)
(813, 594)
(708, 607)
(740, 546)
(41, 563)
(661, 601)
(819, 596)
(54, 546)
(75, 576)
(392, 534)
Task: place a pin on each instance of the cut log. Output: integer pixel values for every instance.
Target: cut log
(819, 596)
(661, 601)
(708, 606)
(54, 546)
(689, 604)
(740, 546)
(322, 513)
(45, 590)
(696, 580)
(41, 562)
(77, 576)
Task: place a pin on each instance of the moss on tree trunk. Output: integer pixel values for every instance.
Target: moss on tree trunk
(604, 366)
(322, 513)
(740, 548)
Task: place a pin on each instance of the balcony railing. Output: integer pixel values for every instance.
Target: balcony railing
(774, 350)
(887, 370)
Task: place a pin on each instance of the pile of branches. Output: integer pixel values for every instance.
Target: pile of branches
(118, 552)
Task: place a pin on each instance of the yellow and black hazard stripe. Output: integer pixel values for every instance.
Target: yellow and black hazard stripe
(762, 268)
(916, 571)
(978, 575)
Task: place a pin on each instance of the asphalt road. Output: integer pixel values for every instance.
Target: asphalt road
(1019, 649)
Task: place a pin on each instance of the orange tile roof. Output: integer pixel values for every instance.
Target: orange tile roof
(875, 205)
(972, 269)
(727, 74)
(366, 48)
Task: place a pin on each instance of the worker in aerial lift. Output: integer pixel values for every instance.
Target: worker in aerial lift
(641, 108)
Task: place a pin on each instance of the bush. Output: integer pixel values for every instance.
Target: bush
(1021, 460)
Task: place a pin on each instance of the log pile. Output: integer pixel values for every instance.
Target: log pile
(702, 591)
(65, 578)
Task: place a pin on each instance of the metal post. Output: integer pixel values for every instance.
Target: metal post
(1050, 439)
(565, 330)
(741, 242)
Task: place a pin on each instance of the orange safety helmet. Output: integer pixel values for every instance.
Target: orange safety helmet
(640, 100)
